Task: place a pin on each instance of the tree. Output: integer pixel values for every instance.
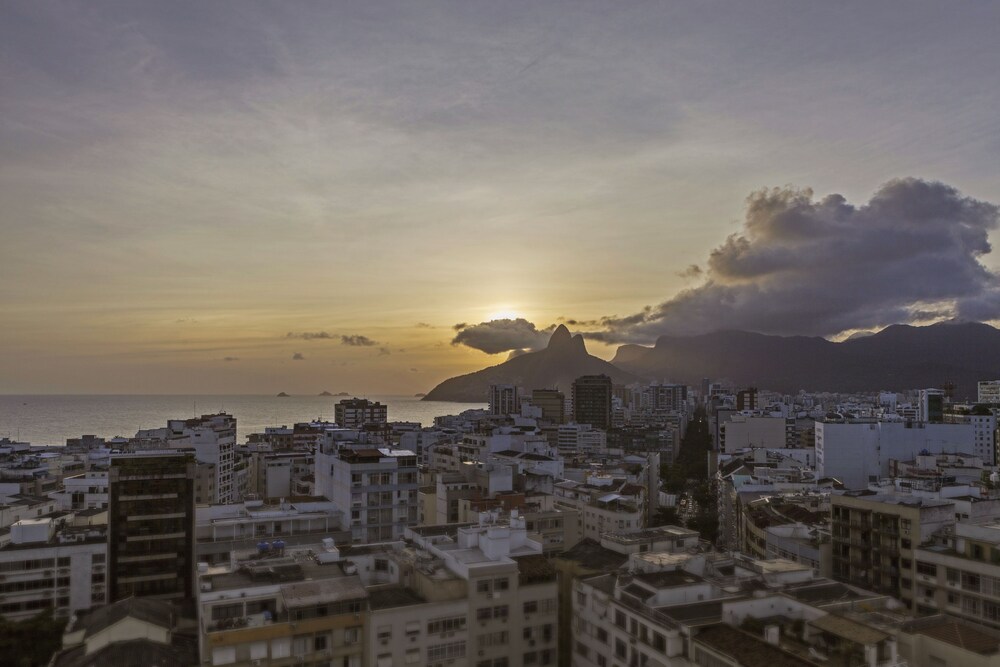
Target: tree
(666, 516)
(30, 643)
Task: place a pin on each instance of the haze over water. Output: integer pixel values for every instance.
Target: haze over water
(50, 419)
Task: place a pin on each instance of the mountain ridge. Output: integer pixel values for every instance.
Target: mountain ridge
(564, 359)
(897, 358)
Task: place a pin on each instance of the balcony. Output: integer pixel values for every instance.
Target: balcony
(242, 622)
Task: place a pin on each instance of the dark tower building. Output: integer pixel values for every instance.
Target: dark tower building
(592, 401)
(552, 403)
(747, 399)
(151, 525)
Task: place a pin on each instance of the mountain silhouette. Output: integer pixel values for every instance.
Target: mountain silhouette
(562, 361)
(898, 358)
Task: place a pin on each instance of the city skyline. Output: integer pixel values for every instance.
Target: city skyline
(251, 198)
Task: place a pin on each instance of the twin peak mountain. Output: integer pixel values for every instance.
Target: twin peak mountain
(898, 358)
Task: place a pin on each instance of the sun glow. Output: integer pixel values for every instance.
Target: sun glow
(503, 313)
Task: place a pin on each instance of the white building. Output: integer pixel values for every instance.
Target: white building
(989, 392)
(746, 431)
(213, 440)
(857, 453)
(377, 487)
(48, 566)
(88, 490)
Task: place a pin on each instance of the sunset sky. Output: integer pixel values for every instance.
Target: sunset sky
(245, 197)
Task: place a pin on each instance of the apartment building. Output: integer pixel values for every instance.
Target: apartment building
(281, 611)
(47, 563)
(360, 413)
(378, 487)
(212, 439)
(959, 574)
(151, 543)
(875, 538)
(614, 508)
(222, 529)
(87, 490)
(858, 452)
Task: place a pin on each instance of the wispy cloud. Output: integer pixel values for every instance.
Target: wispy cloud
(358, 341)
(308, 335)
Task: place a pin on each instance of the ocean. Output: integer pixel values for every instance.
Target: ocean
(50, 419)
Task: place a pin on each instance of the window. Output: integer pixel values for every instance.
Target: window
(483, 586)
(531, 606)
(494, 639)
(450, 624)
(224, 656)
(621, 651)
(448, 651)
(928, 569)
(970, 582)
(352, 635)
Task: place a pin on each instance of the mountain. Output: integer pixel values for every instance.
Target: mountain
(562, 361)
(897, 358)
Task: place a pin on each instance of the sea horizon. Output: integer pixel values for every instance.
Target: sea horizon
(49, 419)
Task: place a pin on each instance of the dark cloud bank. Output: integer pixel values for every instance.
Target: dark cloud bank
(502, 335)
(820, 267)
(817, 267)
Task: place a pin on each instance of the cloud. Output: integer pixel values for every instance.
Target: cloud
(423, 325)
(358, 341)
(308, 335)
(230, 358)
(298, 357)
(384, 352)
(820, 267)
(414, 370)
(498, 336)
(692, 271)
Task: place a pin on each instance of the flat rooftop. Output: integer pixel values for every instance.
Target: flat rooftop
(751, 651)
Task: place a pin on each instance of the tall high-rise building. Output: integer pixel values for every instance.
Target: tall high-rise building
(931, 406)
(551, 402)
(360, 412)
(151, 545)
(746, 399)
(592, 401)
(505, 399)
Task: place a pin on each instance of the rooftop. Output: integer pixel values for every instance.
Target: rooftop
(845, 628)
(388, 597)
(590, 554)
(750, 650)
(670, 579)
(957, 633)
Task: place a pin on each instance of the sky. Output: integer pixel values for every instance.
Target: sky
(250, 197)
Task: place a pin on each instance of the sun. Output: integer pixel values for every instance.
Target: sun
(503, 313)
